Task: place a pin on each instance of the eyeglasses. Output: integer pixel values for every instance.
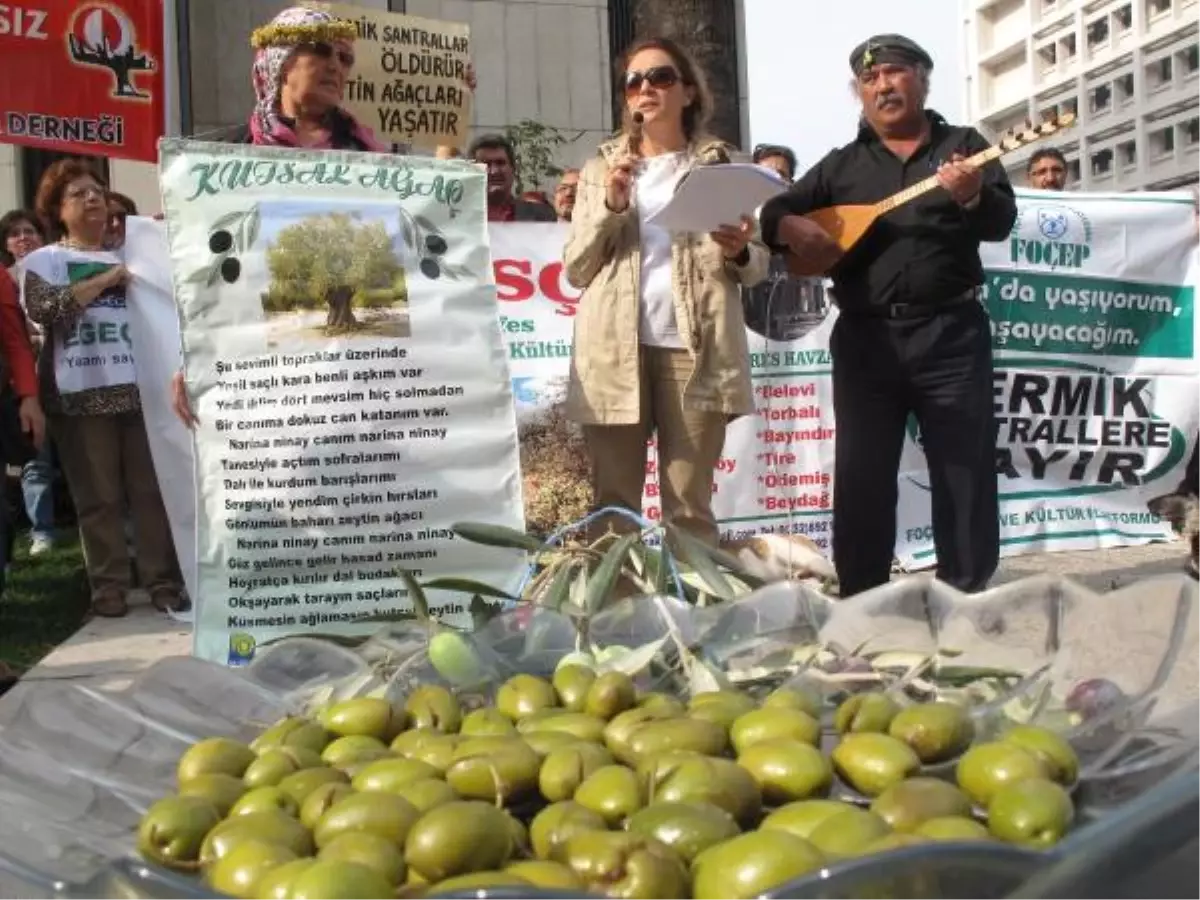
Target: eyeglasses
(325, 50)
(82, 193)
(659, 77)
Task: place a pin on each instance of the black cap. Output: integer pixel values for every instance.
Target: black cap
(888, 48)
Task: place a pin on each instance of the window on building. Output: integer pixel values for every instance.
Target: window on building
(1073, 172)
(1123, 18)
(1189, 60)
(1157, 8)
(1162, 142)
(1158, 74)
(1128, 154)
(1097, 33)
(1100, 99)
(1068, 47)
(1102, 161)
(1189, 131)
(1049, 56)
(1069, 107)
(1124, 88)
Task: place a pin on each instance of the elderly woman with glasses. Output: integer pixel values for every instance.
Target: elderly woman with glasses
(302, 61)
(75, 289)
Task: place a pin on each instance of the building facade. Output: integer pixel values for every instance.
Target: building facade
(549, 61)
(1128, 69)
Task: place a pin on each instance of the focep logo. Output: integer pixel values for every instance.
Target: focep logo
(102, 36)
(241, 648)
(1051, 236)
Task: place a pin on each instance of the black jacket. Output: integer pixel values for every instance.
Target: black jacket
(922, 252)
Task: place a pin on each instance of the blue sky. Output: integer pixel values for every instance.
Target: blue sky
(798, 69)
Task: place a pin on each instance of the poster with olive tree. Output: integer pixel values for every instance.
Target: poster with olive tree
(344, 359)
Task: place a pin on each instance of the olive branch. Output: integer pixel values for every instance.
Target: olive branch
(229, 237)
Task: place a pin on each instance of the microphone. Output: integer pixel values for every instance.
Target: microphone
(635, 133)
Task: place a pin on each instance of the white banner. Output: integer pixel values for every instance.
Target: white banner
(154, 330)
(342, 349)
(1092, 301)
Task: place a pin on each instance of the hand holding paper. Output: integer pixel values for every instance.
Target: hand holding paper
(709, 197)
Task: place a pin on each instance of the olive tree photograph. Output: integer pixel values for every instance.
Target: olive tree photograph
(338, 273)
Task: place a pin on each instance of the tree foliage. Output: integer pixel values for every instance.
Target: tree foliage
(333, 260)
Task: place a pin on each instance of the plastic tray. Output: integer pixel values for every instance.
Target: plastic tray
(79, 766)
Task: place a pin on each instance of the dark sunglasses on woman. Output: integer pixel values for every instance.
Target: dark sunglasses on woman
(325, 50)
(659, 77)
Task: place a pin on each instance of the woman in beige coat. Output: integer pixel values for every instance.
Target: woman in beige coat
(660, 343)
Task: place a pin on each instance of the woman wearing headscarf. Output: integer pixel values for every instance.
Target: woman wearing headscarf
(73, 288)
(303, 58)
(660, 342)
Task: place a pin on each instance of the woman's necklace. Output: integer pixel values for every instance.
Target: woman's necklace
(72, 244)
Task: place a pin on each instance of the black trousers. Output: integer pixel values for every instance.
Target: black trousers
(939, 369)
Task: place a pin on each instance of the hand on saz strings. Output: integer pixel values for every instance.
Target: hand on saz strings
(812, 250)
(962, 181)
(733, 238)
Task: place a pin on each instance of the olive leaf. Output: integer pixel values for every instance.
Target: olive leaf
(202, 275)
(425, 224)
(696, 555)
(467, 586)
(408, 230)
(634, 661)
(559, 590)
(608, 572)
(226, 222)
(213, 276)
(419, 601)
(248, 233)
(496, 536)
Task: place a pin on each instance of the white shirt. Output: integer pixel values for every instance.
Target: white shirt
(655, 186)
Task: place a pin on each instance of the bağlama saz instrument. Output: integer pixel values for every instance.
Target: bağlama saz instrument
(847, 224)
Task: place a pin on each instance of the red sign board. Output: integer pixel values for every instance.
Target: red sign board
(83, 76)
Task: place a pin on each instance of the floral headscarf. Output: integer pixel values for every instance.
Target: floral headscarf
(274, 44)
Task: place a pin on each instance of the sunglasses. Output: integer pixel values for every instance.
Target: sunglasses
(325, 50)
(658, 77)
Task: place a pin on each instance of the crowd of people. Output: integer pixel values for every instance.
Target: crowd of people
(660, 343)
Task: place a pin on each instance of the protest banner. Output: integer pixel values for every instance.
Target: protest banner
(83, 77)
(1097, 402)
(342, 349)
(409, 82)
(1092, 300)
(154, 335)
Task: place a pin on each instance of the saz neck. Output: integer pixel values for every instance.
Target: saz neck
(928, 184)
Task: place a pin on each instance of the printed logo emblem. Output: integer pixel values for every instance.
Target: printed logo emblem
(102, 36)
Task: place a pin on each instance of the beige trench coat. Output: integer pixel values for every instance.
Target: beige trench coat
(602, 257)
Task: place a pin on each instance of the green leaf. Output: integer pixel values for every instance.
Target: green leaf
(425, 224)
(226, 222)
(419, 601)
(609, 571)
(662, 573)
(634, 661)
(496, 536)
(560, 588)
(696, 554)
(466, 586)
(250, 228)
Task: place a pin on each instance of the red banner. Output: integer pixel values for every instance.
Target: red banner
(83, 77)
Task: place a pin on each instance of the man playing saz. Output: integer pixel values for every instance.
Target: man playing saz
(912, 337)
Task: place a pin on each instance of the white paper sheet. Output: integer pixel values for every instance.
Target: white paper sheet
(711, 196)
